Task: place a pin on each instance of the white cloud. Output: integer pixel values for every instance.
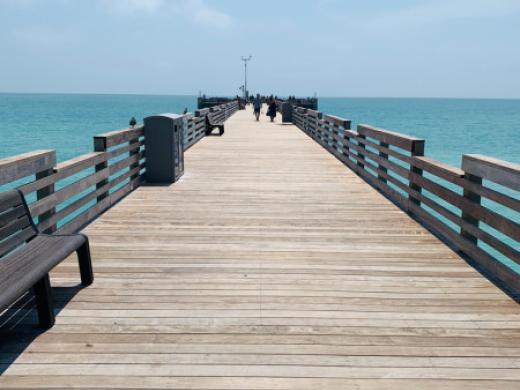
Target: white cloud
(200, 12)
(196, 10)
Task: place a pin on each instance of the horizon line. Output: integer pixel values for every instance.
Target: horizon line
(282, 95)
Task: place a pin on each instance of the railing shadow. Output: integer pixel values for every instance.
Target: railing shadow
(19, 324)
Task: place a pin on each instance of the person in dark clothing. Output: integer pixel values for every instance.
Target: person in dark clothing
(257, 105)
(271, 110)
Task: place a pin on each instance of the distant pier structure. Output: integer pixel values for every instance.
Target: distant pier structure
(310, 103)
(208, 102)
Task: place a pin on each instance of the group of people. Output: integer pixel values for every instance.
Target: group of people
(271, 106)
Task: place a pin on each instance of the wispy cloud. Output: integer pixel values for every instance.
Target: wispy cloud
(200, 12)
(441, 11)
(195, 10)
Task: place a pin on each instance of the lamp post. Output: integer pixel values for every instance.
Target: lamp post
(245, 59)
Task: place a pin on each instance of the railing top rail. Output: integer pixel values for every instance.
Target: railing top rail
(202, 112)
(22, 165)
(440, 169)
(400, 140)
(498, 171)
(119, 136)
(337, 120)
(314, 113)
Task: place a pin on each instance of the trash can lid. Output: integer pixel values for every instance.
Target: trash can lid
(165, 115)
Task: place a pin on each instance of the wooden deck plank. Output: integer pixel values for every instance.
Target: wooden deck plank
(269, 265)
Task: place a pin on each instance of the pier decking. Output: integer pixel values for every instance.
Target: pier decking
(269, 265)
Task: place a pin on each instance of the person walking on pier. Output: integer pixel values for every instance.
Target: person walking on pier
(271, 110)
(257, 105)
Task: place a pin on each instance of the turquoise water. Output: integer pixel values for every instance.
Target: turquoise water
(451, 127)
(67, 123)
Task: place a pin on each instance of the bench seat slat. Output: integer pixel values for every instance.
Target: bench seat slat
(22, 269)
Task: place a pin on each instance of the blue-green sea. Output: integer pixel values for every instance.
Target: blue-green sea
(451, 127)
(67, 123)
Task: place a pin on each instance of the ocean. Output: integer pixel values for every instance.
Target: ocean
(451, 127)
(67, 123)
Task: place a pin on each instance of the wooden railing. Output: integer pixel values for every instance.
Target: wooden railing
(195, 128)
(473, 208)
(66, 196)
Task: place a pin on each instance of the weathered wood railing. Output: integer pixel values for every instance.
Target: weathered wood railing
(195, 128)
(66, 196)
(474, 209)
(71, 193)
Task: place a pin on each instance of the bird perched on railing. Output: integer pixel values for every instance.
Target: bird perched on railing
(132, 122)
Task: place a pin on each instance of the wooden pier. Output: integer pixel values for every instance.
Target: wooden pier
(269, 265)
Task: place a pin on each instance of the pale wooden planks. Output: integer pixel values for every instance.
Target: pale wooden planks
(269, 265)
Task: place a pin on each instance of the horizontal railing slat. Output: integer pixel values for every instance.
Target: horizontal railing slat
(117, 166)
(40, 206)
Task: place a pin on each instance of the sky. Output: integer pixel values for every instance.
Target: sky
(370, 48)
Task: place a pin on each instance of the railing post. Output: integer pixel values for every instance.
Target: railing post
(416, 150)
(100, 146)
(319, 129)
(340, 131)
(42, 193)
(304, 122)
(361, 137)
(333, 131)
(385, 156)
(473, 198)
(133, 152)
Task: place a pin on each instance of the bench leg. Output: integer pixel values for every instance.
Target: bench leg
(221, 130)
(85, 264)
(44, 302)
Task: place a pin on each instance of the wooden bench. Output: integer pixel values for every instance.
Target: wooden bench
(210, 125)
(27, 256)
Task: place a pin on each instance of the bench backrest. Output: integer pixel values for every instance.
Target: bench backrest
(16, 225)
(211, 122)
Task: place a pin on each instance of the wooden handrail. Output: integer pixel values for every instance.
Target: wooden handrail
(451, 204)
